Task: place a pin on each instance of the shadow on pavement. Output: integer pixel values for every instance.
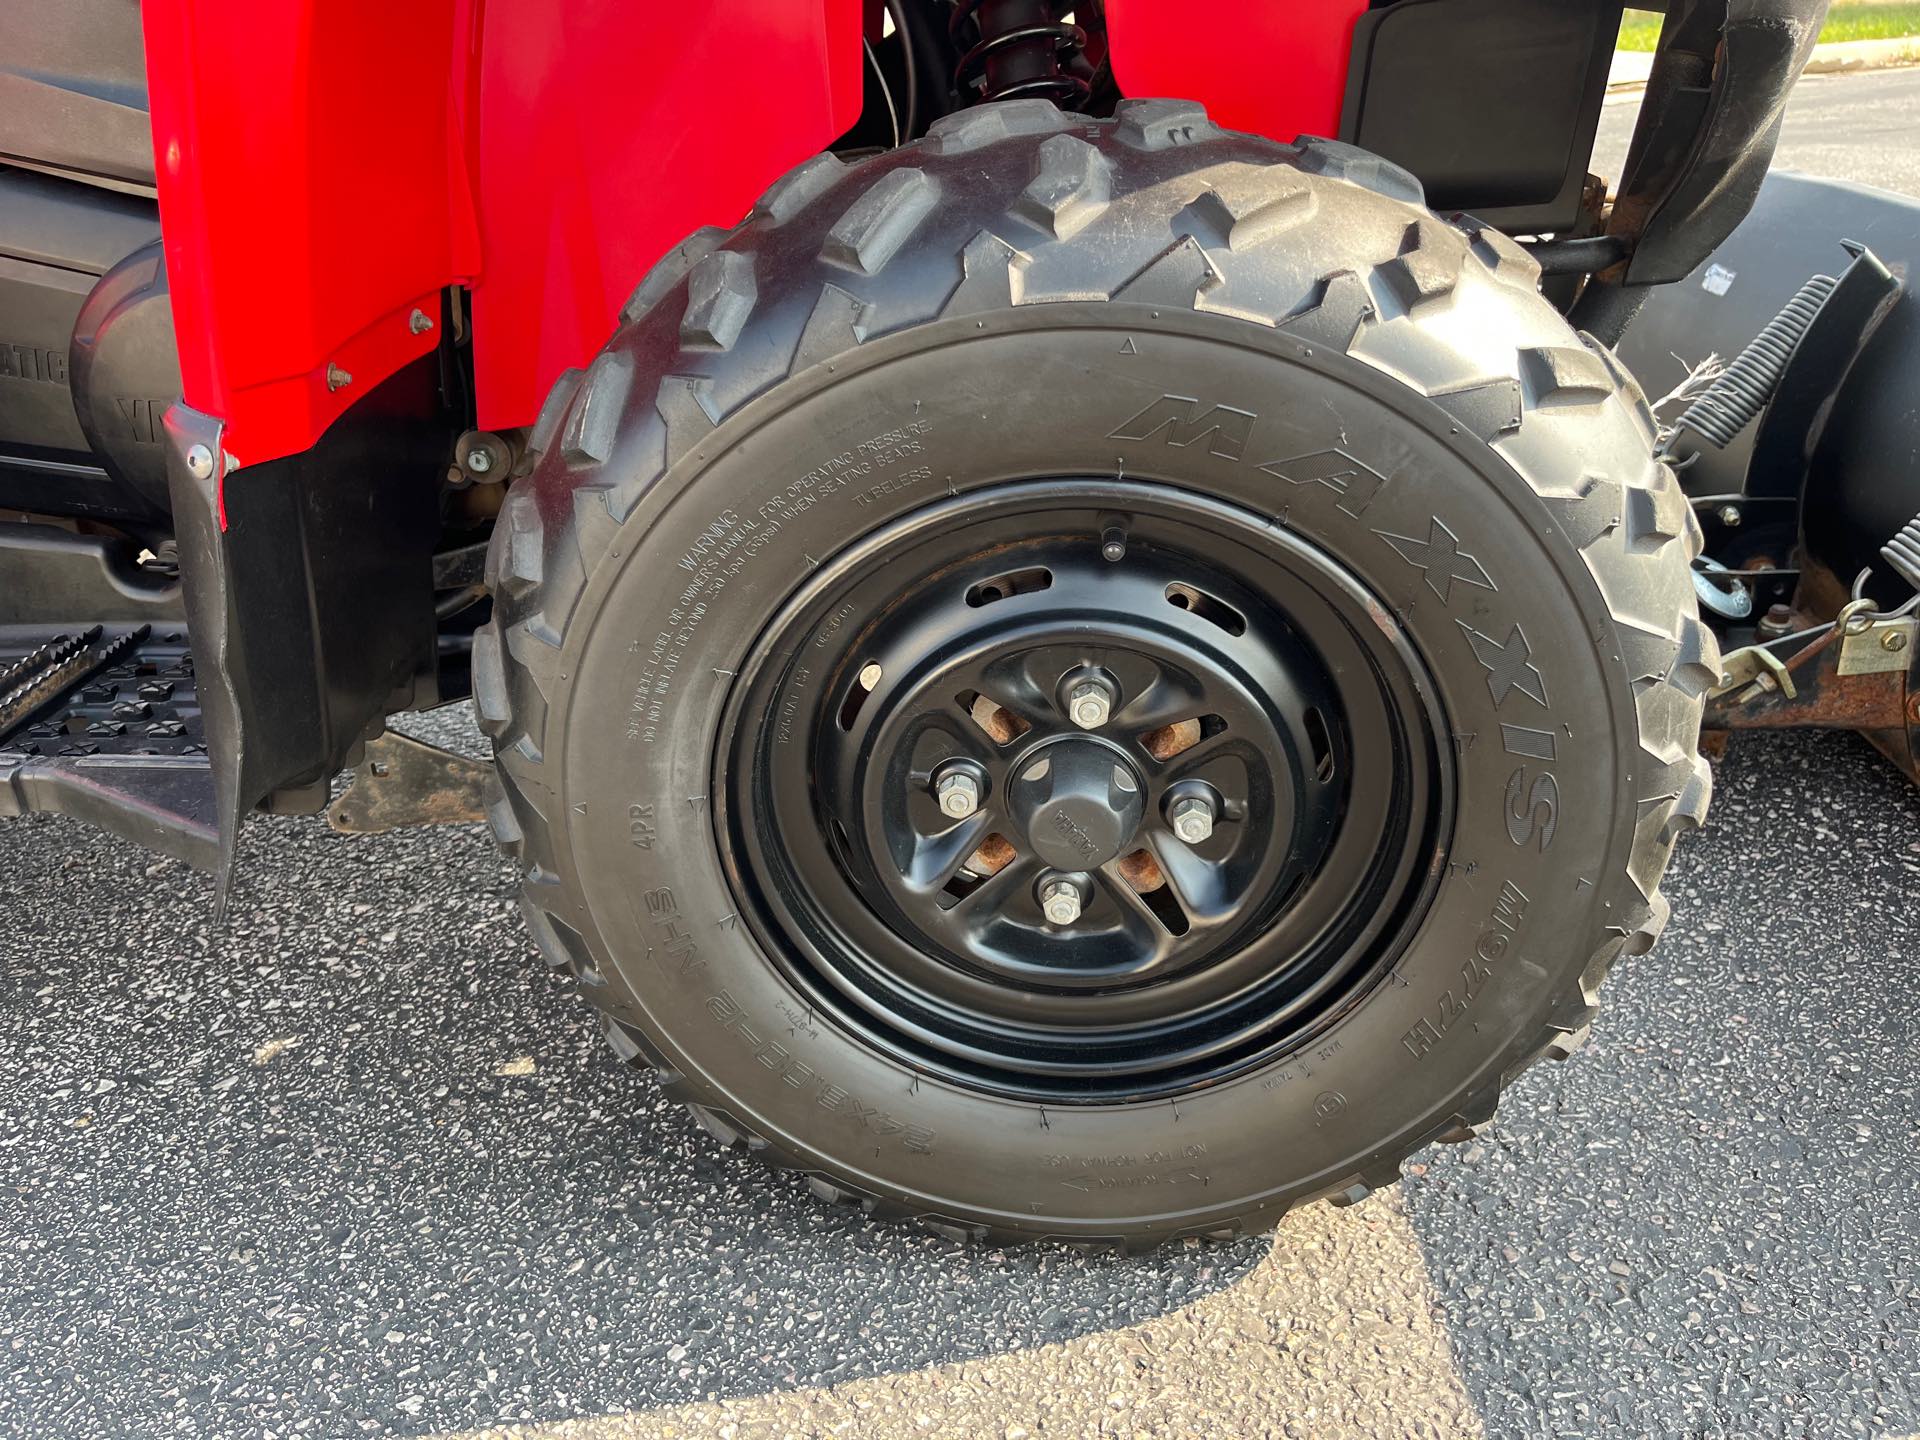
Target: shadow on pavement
(1708, 1222)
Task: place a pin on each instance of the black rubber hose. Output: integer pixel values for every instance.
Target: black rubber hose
(1583, 256)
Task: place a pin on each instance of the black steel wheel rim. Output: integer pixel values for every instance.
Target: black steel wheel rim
(1249, 823)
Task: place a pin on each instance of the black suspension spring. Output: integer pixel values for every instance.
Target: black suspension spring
(1742, 390)
(1019, 51)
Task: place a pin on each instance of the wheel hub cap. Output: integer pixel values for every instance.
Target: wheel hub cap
(1078, 803)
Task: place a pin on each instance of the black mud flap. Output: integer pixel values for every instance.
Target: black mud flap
(309, 593)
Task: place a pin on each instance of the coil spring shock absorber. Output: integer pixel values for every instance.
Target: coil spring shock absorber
(1019, 52)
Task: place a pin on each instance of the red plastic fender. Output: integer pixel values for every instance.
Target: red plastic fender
(1274, 67)
(609, 130)
(310, 200)
(327, 167)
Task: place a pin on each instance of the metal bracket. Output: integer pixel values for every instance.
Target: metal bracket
(402, 781)
(1879, 645)
(1757, 668)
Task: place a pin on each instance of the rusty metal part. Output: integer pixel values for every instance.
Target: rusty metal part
(1824, 700)
(1770, 665)
(1169, 740)
(1805, 679)
(401, 781)
(992, 856)
(1000, 723)
(1141, 871)
(1883, 705)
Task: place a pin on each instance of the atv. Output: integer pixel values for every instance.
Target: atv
(1065, 663)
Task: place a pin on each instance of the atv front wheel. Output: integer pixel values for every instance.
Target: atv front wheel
(1094, 679)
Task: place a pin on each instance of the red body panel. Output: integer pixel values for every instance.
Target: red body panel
(609, 130)
(327, 166)
(306, 201)
(1272, 67)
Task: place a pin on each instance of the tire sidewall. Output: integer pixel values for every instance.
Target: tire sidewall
(739, 523)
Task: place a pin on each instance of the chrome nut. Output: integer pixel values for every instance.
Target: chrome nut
(1089, 704)
(1060, 902)
(958, 794)
(1192, 819)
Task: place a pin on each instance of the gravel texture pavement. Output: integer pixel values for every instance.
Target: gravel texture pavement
(357, 1164)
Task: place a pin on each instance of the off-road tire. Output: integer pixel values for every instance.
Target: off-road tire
(1514, 522)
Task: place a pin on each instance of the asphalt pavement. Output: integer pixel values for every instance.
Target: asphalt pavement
(1862, 128)
(357, 1164)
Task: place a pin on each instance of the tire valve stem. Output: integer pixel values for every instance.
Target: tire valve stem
(1113, 544)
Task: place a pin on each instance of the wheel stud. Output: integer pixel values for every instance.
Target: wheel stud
(958, 791)
(1060, 901)
(1192, 817)
(1090, 703)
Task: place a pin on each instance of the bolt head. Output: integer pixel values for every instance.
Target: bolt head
(959, 795)
(1894, 640)
(1192, 819)
(418, 322)
(200, 462)
(479, 460)
(1089, 704)
(1060, 903)
(1729, 515)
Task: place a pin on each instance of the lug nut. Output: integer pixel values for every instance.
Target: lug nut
(1192, 819)
(1090, 703)
(1060, 902)
(958, 793)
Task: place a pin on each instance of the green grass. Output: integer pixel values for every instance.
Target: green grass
(1870, 20)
